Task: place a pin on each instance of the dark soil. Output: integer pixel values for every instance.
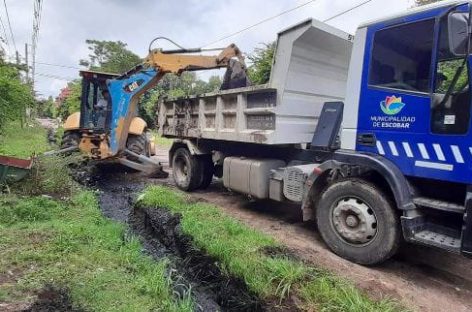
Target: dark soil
(161, 235)
(279, 252)
(214, 290)
(52, 298)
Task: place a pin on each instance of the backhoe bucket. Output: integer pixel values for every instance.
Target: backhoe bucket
(235, 76)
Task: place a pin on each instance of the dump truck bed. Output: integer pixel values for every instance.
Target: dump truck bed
(309, 68)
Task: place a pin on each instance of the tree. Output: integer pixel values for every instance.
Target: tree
(71, 102)
(47, 108)
(424, 2)
(110, 56)
(173, 86)
(261, 63)
(16, 96)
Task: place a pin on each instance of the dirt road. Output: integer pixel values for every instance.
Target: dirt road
(422, 278)
(48, 123)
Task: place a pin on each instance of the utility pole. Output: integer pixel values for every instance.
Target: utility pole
(26, 62)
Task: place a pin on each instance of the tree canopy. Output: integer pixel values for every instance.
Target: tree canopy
(261, 63)
(16, 96)
(110, 56)
(424, 2)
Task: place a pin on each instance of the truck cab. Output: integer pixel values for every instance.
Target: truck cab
(409, 102)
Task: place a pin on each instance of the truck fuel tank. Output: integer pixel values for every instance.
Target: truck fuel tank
(249, 176)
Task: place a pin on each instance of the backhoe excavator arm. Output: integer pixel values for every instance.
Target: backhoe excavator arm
(126, 90)
(176, 62)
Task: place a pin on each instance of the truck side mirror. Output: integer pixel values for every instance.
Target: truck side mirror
(457, 25)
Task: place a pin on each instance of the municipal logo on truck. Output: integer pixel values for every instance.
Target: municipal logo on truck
(392, 105)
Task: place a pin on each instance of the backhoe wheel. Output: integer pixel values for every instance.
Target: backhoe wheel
(186, 170)
(137, 144)
(208, 170)
(70, 139)
(358, 222)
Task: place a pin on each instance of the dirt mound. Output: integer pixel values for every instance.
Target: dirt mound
(212, 289)
(52, 298)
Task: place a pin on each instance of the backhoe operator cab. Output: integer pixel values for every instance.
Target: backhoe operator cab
(95, 109)
(93, 123)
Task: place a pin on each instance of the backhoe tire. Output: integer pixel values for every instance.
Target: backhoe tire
(70, 139)
(358, 222)
(137, 144)
(186, 170)
(208, 169)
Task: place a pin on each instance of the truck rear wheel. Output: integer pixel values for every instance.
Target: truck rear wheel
(186, 170)
(358, 222)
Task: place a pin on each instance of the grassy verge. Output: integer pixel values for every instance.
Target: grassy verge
(23, 142)
(72, 245)
(68, 243)
(241, 251)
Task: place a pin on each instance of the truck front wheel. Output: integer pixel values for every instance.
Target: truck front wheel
(358, 222)
(186, 170)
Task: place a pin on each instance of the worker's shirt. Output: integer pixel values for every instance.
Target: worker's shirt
(102, 104)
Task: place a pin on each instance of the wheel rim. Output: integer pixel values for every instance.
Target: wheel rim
(181, 170)
(354, 221)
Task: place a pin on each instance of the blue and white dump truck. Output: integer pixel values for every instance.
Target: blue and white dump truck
(370, 134)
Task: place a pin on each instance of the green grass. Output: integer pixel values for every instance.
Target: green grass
(23, 142)
(161, 142)
(70, 244)
(240, 251)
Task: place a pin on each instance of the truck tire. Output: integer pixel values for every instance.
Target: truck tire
(358, 222)
(137, 144)
(186, 170)
(208, 170)
(70, 139)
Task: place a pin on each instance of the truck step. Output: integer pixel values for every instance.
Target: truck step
(449, 243)
(438, 204)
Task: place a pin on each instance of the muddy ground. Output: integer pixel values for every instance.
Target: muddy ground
(160, 233)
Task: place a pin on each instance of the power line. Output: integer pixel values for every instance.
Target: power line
(52, 76)
(9, 25)
(259, 23)
(59, 65)
(346, 11)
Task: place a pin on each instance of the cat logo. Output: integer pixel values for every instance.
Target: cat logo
(133, 86)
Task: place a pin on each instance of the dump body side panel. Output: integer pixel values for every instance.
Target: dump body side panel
(310, 68)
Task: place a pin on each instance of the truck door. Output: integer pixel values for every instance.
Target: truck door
(403, 113)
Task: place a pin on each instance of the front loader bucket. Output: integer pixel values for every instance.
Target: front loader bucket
(145, 164)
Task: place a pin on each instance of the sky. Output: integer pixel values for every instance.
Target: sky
(66, 24)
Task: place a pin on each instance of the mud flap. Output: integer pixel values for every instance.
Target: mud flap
(466, 247)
